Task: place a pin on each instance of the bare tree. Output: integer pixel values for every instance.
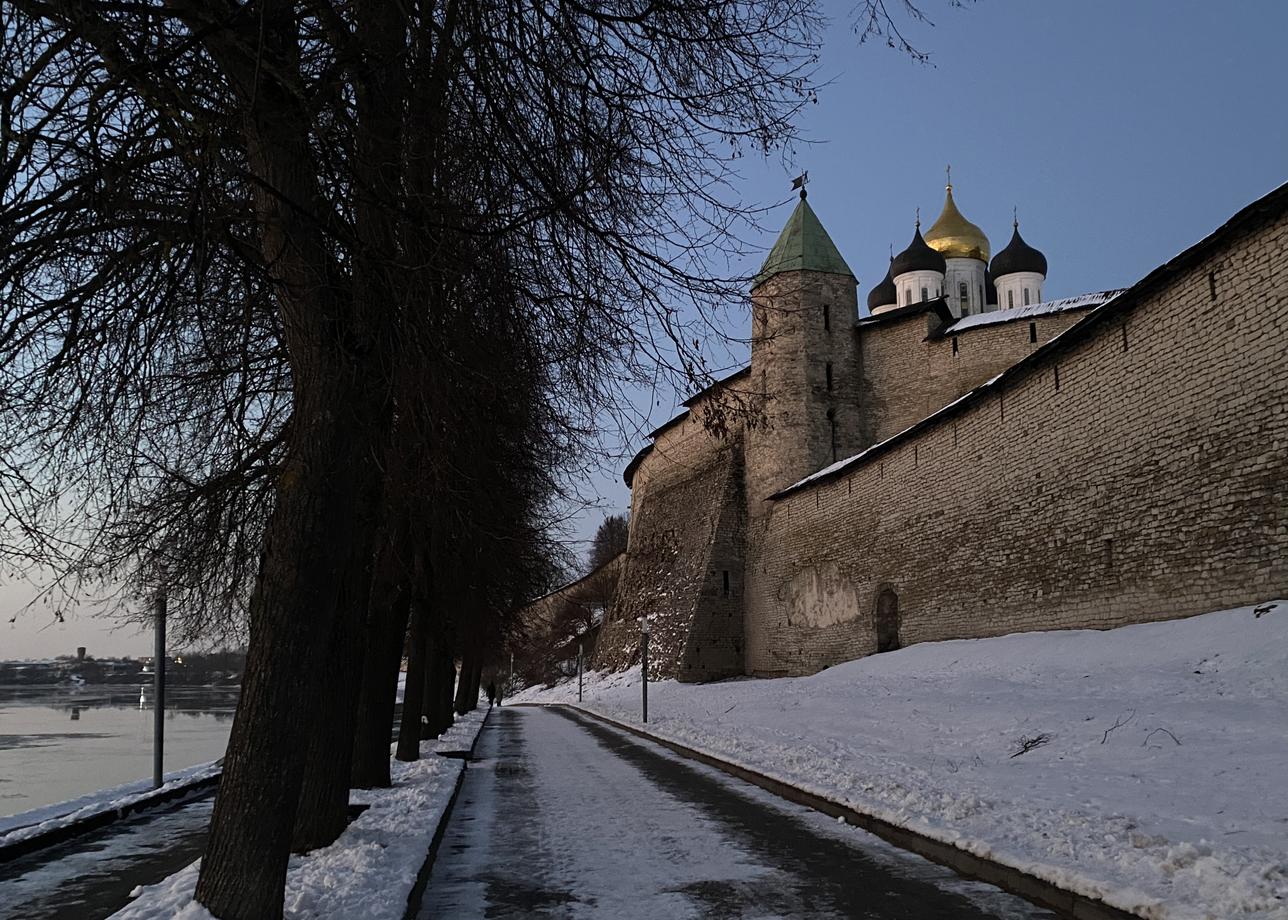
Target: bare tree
(237, 243)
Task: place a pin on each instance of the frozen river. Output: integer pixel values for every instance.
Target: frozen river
(59, 743)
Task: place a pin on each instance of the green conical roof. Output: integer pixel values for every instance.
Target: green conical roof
(802, 246)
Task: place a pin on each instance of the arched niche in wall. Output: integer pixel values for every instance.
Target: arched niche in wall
(887, 620)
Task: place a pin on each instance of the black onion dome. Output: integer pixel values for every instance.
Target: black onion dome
(990, 289)
(884, 293)
(918, 257)
(1018, 256)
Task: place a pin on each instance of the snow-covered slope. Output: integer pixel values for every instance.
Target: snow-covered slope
(1156, 775)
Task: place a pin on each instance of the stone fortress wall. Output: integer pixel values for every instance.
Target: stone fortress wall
(910, 368)
(683, 568)
(1101, 466)
(1134, 469)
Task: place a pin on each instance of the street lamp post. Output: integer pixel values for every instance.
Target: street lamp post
(158, 693)
(579, 659)
(644, 662)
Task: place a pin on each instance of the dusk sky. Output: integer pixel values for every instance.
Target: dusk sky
(1123, 133)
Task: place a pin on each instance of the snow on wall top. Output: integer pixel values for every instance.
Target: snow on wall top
(993, 317)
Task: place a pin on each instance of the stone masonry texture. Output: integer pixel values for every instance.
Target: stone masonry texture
(685, 540)
(1140, 474)
(1129, 464)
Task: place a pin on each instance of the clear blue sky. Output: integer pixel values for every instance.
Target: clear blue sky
(1123, 131)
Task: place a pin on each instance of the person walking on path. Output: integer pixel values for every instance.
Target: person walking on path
(491, 693)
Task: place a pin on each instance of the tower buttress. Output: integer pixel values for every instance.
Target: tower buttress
(804, 360)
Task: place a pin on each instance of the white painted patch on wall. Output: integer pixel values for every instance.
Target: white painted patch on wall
(821, 596)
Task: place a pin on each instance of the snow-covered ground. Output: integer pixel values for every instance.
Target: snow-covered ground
(27, 824)
(1156, 775)
(370, 870)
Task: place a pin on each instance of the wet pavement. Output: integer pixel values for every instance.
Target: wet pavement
(92, 876)
(561, 816)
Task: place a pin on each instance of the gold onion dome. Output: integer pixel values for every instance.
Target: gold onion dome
(956, 237)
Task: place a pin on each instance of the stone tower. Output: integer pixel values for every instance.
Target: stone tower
(804, 359)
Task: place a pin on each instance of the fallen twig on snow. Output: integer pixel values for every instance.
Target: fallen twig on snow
(1118, 723)
(1028, 744)
(1155, 732)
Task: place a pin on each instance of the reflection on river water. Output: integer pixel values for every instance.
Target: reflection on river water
(57, 743)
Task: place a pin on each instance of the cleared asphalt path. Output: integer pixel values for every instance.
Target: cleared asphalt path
(562, 816)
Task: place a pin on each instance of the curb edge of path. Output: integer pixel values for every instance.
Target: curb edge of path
(197, 789)
(417, 893)
(1039, 891)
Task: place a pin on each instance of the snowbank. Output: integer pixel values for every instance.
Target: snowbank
(370, 870)
(39, 821)
(1155, 775)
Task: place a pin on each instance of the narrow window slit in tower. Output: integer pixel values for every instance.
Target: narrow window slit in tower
(954, 434)
(827, 317)
(954, 345)
(916, 455)
(1033, 332)
(1212, 286)
(829, 376)
(726, 582)
(1057, 376)
(831, 421)
(1124, 336)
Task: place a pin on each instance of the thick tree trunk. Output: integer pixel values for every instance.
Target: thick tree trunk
(329, 486)
(462, 702)
(323, 811)
(440, 677)
(379, 693)
(328, 489)
(381, 27)
(432, 664)
(467, 688)
(442, 716)
(475, 680)
(413, 702)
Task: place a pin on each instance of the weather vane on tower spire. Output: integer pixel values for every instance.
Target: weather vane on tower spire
(948, 170)
(800, 182)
